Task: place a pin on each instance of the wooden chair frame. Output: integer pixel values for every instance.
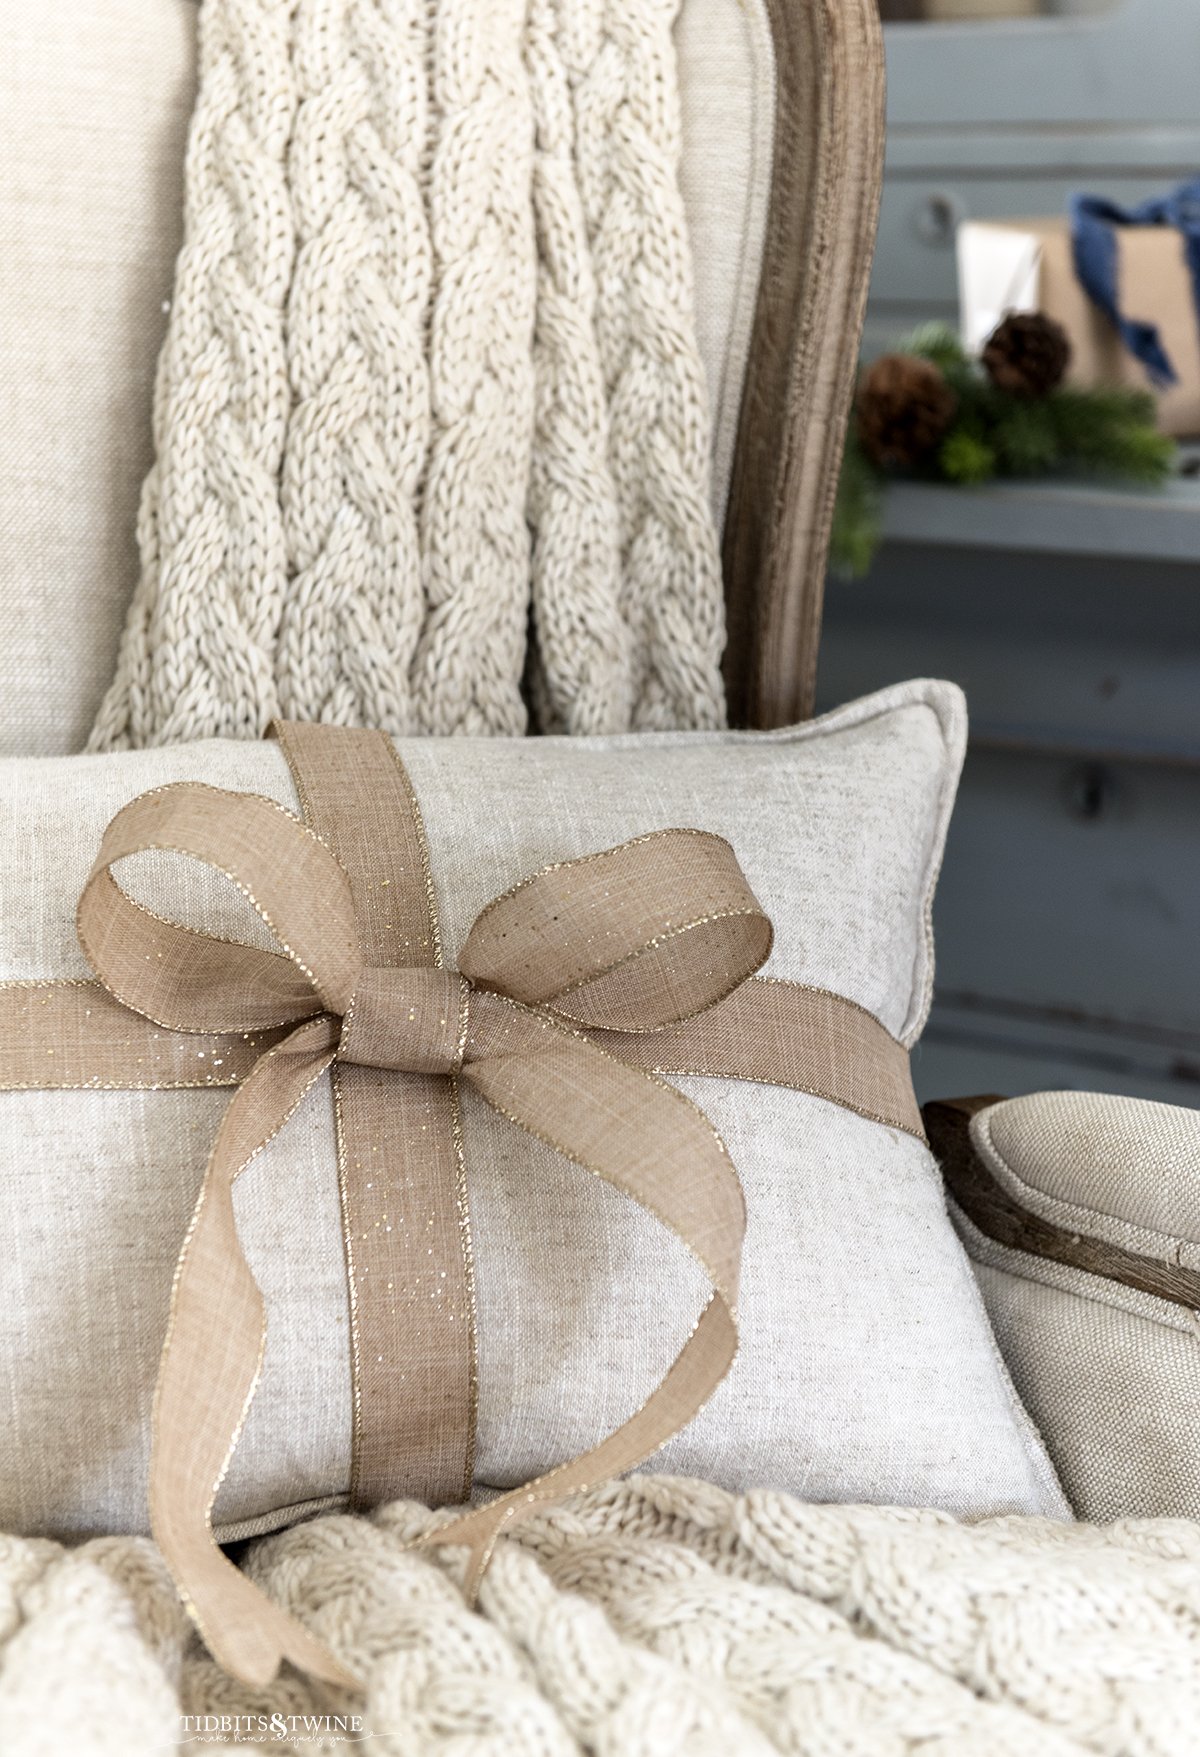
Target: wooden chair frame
(826, 177)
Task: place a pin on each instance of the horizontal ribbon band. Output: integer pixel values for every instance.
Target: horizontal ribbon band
(769, 1031)
(574, 991)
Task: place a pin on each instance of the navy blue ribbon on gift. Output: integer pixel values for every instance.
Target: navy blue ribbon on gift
(1094, 243)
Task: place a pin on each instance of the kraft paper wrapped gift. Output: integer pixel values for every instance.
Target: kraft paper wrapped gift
(866, 1368)
(1027, 265)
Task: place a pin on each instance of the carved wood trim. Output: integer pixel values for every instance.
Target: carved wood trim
(820, 236)
(999, 1216)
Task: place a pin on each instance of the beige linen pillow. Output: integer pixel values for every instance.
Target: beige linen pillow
(867, 1371)
(1081, 1213)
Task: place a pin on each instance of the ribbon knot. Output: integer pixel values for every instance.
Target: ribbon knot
(411, 1020)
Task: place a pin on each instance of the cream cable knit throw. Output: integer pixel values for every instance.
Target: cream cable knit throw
(653, 1618)
(430, 374)
(627, 134)
(359, 430)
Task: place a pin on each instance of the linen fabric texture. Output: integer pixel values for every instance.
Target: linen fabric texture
(1110, 1372)
(867, 1371)
(94, 108)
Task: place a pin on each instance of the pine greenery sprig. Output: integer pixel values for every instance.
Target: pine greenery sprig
(997, 435)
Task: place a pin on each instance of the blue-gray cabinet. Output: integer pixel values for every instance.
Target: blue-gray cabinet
(1068, 913)
(1068, 916)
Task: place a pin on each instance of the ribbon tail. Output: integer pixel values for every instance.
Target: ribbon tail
(693, 1376)
(209, 1369)
(1094, 249)
(1191, 238)
(649, 1141)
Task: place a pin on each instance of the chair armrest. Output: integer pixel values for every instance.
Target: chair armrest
(1086, 1193)
(1081, 1216)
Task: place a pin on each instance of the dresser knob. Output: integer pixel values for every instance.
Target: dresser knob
(938, 218)
(1089, 791)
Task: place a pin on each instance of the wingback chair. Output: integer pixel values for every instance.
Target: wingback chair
(1082, 1214)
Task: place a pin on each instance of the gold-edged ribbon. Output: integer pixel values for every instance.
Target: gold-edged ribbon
(574, 991)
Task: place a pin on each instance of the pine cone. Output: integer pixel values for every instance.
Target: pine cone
(904, 408)
(1027, 355)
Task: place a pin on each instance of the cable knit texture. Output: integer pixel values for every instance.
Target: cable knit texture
(358, 438)
(584, 659)
(627, 147)
(659, 1617)
(197, 655)
(431, 379)
(469, 664)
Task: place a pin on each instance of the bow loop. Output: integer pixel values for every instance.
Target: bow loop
(635, 938)
(413, 1021)
(185, 980)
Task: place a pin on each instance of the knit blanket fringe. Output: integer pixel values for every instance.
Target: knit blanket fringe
(658, 1617)
(431, 431)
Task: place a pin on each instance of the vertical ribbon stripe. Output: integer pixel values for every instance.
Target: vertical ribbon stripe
(401, 1174)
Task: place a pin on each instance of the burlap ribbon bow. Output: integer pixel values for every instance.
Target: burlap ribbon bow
(570, 989)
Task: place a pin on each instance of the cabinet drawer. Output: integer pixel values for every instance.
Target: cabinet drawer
(1084, 653)
(1071, 888)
